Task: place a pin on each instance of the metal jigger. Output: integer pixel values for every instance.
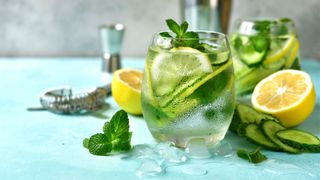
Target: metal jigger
(111, 39)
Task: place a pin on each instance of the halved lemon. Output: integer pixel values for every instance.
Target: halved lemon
(288, 95)
(126, 89)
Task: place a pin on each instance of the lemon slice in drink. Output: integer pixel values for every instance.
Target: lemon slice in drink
(183, 63)
(293, 55)
(288, 95)
(178, 74)
(276, 58)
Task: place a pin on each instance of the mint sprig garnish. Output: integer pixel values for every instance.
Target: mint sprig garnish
(183, 37)
(254, 157)
(115, 137)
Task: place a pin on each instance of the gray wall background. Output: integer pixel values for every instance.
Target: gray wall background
(69, 28)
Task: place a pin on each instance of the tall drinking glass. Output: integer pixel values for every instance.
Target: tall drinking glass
(188, 93)
(262, 47)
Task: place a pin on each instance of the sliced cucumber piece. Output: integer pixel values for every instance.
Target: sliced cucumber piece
(217, 56)
(254, 134)
(300, 139)
(240, 68)
(270, 128)
(245, 114)
(248, 82)
(250, 56)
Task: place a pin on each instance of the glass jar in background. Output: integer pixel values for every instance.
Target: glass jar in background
(188, 93)
(261, 47)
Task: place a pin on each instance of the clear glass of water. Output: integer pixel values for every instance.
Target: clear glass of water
(188, 92)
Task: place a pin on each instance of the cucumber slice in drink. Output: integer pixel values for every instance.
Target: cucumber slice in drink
(178, 65)
(253, 50)
(247, 82)
(216, 56)
(178, 74)
(241, 69)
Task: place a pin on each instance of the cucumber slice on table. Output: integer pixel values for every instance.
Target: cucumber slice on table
(270, 128)
(245, 114)
(254, 134)
(300, 139)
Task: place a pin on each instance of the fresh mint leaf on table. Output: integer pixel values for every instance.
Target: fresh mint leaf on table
(253, 157)
(115, 137)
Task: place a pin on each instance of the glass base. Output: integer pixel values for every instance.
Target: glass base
(182, 141)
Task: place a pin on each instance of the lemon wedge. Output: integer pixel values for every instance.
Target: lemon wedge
(126, 89)
(288, 95)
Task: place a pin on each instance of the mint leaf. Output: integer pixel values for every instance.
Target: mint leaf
(106, 127)
(85, 143)
(122, 143)
(190, 39)
(174, 27)
(183, 37)
(165, 34)
(184, 27)
(253, 157)
(260, 43)
(262, 27)
(119, 123)
(237, 43)
(99, 144)
(115, 136)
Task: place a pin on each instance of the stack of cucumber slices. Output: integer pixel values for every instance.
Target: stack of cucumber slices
(266, 131)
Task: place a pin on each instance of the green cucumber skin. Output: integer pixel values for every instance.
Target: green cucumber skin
(300, 145)
(235, 122)
(254, 134)
(270, 128)
(247, 116)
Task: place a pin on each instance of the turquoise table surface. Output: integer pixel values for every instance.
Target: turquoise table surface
(43, 145)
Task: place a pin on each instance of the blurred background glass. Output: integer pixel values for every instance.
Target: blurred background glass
(70, 28)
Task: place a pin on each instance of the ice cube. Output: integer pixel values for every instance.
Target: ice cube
(197, 148)
(149, 167)
(171, 154)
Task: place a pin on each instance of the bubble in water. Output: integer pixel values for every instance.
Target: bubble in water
(223, 148)
(197, 148)
(195, 170)
(149, 167)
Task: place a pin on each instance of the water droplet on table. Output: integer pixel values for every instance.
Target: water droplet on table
(149, 167)
(195, 170)
(280, 168)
